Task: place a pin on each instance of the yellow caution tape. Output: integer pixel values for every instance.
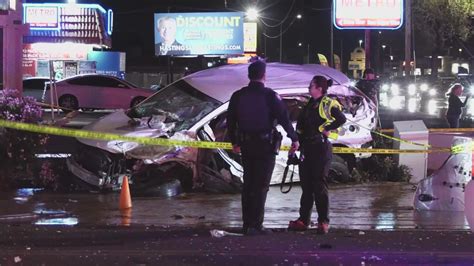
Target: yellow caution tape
(86, 134)
(391, 130)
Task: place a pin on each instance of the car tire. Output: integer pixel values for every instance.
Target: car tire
(338, 171)
(168, 188)
(137, 100)
(68, 103)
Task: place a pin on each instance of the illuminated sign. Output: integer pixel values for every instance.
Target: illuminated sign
(43, 17)
(13, 4)
(58, 16)
(250, 36)
(217, 33)
(368, 14)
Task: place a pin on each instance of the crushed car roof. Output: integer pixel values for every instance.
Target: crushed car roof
(221, 82)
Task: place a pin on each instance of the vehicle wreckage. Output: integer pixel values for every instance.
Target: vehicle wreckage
(194, 108)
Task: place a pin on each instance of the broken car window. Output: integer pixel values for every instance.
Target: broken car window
(180, 103)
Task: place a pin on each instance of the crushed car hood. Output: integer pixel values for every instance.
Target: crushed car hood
(119, 123)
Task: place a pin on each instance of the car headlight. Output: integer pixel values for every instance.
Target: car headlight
(432, 92)
(412, 105)
(424, 87)
(411, 89)
(395, 89)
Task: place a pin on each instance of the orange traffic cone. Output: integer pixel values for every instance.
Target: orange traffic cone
(126, 216)
(125, 199)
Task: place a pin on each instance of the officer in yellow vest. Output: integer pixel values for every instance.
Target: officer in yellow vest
(317, 122)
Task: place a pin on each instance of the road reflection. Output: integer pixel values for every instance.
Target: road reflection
(385, 206)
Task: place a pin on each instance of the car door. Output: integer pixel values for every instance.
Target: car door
(83, 88)
(113, 93)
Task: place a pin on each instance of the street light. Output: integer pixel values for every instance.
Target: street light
(299, 16)
(360, 43)
(252, 13)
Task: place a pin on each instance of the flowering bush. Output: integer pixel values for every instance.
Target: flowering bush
(18, 148)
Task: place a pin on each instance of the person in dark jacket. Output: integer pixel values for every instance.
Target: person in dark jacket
(369, 85)
(455, 105)
(318, 121)
(253, 113)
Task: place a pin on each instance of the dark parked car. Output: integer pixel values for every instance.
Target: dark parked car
(34, 87)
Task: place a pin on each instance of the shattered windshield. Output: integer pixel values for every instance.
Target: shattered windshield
(179, 105)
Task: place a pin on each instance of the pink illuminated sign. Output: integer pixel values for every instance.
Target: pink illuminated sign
(368, 14)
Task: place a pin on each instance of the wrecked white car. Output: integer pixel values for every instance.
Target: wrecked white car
(195, 108)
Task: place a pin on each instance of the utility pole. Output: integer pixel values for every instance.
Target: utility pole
(407, 37)
(367, 49)
(331, 52)
(281, 40)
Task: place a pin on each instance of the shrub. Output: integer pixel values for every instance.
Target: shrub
(380, 167)
(18, 148)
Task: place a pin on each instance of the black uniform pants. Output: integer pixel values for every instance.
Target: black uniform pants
(453, 120)
(258, 163)
(313, 171)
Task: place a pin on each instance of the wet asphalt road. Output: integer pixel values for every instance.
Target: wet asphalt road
(370, 225)
(386, 206)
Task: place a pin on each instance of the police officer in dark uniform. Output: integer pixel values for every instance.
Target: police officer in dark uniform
(318, 121)
(253, 113)
(369, 85)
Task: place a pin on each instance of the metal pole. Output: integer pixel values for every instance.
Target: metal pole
(308, 53)
(407, 37)
(281, 40)
(367, 49)
(331, 52)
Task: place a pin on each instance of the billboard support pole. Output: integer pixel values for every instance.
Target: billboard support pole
(168, 77)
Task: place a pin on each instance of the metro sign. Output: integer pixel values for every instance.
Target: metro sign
(42, 17)
(368, 14)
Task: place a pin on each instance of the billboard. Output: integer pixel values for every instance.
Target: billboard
(216, 33)
(368, 14)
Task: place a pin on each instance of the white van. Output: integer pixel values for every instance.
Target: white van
(195, 108)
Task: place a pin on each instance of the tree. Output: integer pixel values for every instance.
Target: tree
(441, 23)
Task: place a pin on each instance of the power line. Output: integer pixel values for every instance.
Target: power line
(282, 21)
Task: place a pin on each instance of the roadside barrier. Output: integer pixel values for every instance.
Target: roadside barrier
(85, 134)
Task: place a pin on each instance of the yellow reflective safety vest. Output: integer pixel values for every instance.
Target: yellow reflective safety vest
(325, 107)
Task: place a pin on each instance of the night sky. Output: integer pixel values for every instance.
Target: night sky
(133, 27)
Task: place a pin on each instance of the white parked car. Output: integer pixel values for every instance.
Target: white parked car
(195, 108)
(94, 91)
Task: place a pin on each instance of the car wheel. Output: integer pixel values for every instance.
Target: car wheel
(338, 171)
(169, 188)
(68, 103)
(136, 101)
